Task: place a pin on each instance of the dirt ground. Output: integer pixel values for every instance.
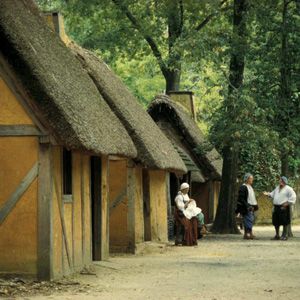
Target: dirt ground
(220, 267)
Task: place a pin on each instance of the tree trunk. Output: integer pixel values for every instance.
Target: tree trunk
(175, 25)
(225, 218)
(284, 163)
(172, 78)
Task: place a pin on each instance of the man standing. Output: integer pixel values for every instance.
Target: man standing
(246, 205)
(283, 196)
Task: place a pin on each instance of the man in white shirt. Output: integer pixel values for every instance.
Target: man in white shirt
(283, 196)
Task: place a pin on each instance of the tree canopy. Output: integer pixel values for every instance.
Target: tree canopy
(188, 45)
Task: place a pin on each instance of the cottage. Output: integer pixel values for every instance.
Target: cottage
(175, 116)
(56, 135)
(138, 195)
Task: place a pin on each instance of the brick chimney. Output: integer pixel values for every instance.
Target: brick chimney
(56, 22)
(186, 99)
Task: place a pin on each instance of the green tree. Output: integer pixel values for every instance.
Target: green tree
(225, 216)
(274, 74)
(169, 30)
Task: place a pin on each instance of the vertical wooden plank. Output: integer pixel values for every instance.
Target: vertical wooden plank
(153, 207)
(45, 270)
(168, 194)
(72, 204)
(105, 209)
(139, 205)
(211, 206)
(158, 206)
(217, 185)
(87, 209)
(68, 249)
(131, 217)
(77, 211)
(83, 208)
(57, 223)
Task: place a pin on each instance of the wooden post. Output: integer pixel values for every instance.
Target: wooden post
(169, 206)
(211, 206)
(105, 209)
(82, 196)
(139, 206)
(131, 217)
(44, 263)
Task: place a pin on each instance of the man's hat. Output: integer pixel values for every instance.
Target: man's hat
(284, 179)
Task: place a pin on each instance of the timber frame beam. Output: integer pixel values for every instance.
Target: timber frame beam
(19, 130)
(45, 193)
(18, 193)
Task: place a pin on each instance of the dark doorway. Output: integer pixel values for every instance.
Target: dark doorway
(174, 187)
(174, 184)
(146, 200)
(96, 206)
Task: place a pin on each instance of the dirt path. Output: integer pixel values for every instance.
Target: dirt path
(221, 267)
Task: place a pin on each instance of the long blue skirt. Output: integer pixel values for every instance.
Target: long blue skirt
(248, 220)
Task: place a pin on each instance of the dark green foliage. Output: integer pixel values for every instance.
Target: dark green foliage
(264, 117)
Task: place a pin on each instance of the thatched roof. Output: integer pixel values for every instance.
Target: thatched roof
(154, 149)
(208, 159)
(63, 93)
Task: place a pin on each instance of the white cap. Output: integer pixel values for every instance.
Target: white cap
(184, 186)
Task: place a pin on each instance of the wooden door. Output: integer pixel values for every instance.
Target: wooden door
(96, 207)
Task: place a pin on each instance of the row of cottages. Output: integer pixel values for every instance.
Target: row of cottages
(137, 187)
(83, 167)
(175, 116)
(148, 172)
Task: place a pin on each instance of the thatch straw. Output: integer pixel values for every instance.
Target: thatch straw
(154, 149)
(209, 160)
(66, 97)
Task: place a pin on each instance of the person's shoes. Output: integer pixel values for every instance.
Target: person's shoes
(247, 237)
(203, 230)
(252, 236)
(284, 238)
(275, 238)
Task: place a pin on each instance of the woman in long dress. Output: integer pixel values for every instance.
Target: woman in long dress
(188, 215)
